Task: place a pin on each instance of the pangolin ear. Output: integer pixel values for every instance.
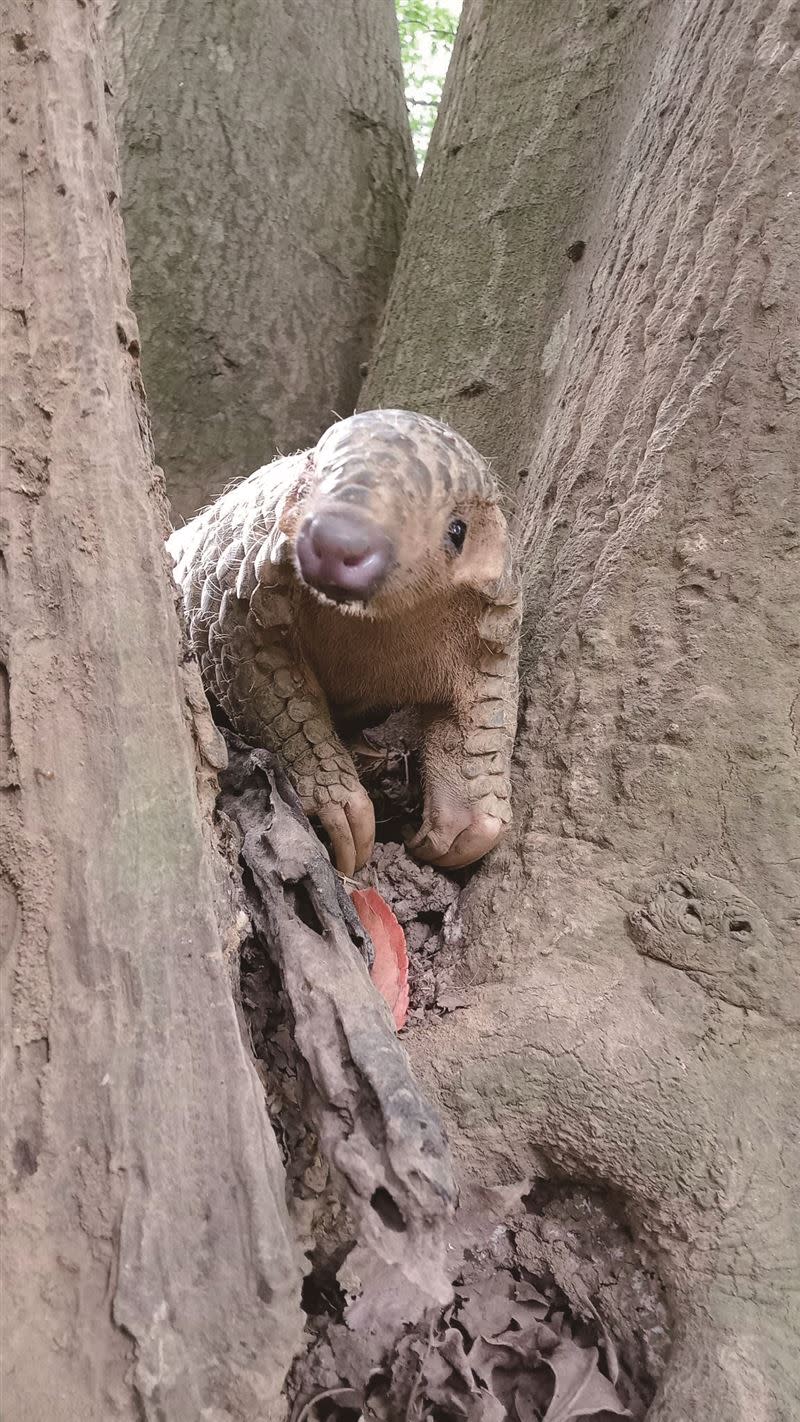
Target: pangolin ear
(487, 562)
(288, 512)
(287, 515)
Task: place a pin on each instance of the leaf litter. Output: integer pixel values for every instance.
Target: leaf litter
(507, 1348)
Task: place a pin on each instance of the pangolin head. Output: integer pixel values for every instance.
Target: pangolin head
(395, 508)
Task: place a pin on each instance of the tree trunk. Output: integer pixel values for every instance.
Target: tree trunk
(267, 169)
(599, 287)
(148, 1269)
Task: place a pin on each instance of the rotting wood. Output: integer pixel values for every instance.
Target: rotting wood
(374, 1126)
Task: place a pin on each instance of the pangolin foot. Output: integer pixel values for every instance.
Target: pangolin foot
(455, 835)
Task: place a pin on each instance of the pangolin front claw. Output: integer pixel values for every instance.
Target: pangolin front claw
(350, 826)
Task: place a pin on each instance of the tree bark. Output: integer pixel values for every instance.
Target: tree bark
(148, 1265)
(599, 287)
(267, 168)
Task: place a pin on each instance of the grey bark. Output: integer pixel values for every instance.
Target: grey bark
(267, 169)
(148, 1265)
(599, 287)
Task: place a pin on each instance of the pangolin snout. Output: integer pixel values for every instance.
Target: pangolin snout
(343, 554)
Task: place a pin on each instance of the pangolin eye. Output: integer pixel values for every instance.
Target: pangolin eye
(456, 533)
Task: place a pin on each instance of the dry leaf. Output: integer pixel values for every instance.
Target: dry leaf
(491, 1307)
(581, 1389)
(530, 1343)
(345, 1397)
(532, 1394)
(389, 972)
(486, 1359)
(492, 1409)
(451, 1348)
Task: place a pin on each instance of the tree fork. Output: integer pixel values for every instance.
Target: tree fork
(267, 169)
(600, 290)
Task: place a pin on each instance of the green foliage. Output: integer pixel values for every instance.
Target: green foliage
(427, 32)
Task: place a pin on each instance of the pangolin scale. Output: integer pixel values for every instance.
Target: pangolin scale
(370, 573)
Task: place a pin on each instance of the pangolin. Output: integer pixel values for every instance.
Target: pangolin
(370, 573)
